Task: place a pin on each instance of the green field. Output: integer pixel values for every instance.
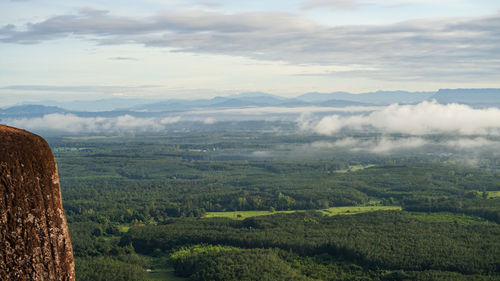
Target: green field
(494, 194)
(240, 215)
(349, 210)
(124, 227)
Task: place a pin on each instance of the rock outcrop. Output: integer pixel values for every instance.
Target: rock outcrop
(34, 236)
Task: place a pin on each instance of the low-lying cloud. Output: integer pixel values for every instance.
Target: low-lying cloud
(387, 144)
(421, 119)
(376, 145)
(472, 143)
(74, 124)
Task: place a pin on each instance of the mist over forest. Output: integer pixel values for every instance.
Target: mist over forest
(445, 122)
(305, 188)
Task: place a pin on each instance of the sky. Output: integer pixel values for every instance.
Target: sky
(161, 49)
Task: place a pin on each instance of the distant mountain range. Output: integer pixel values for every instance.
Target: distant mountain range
(144, 107)
(373, 98)
(474, 97)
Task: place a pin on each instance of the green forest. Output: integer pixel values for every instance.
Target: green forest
(253, 205)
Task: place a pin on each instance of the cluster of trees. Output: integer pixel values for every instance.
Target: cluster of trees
(274, 264)
(91, 239)
(384, 239)
(473, 204)
(218, 263)
(108, 269)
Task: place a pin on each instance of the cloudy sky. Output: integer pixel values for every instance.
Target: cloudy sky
(51, 49)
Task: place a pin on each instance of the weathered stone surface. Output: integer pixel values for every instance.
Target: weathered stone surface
(34, 236)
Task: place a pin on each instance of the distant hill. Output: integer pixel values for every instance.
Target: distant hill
(316, 97)
(253, 95)
(253, 99)
(98, 105)
(340, 103)
(474, 97)
(158, 108)
(34, 111)
(373, 98)
(30, 110)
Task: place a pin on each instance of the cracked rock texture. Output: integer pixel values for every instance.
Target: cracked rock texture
(34, 236)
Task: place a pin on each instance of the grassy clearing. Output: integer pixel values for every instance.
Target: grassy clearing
(351, 210)
(493, 194)
(124, 227)
(240, 215)
(354, 168)
(449, 217)
(166, 274)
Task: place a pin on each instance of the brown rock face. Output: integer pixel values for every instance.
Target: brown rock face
(34, 236)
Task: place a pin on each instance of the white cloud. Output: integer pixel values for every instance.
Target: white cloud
(390, 144)
(130, 122)
(472, 143)
(75, 124)
(209, 120)
(170, 120)
(412, 120)
(261, 154)
(385, 145)
(423, 118)
(376, 145)
(346, 142)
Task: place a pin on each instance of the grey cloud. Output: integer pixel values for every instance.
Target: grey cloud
(420, 50)
(101, 24)
(123, 58)
(335, 4)
(210, 3)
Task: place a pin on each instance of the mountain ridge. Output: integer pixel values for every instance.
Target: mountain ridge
(471, 97)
